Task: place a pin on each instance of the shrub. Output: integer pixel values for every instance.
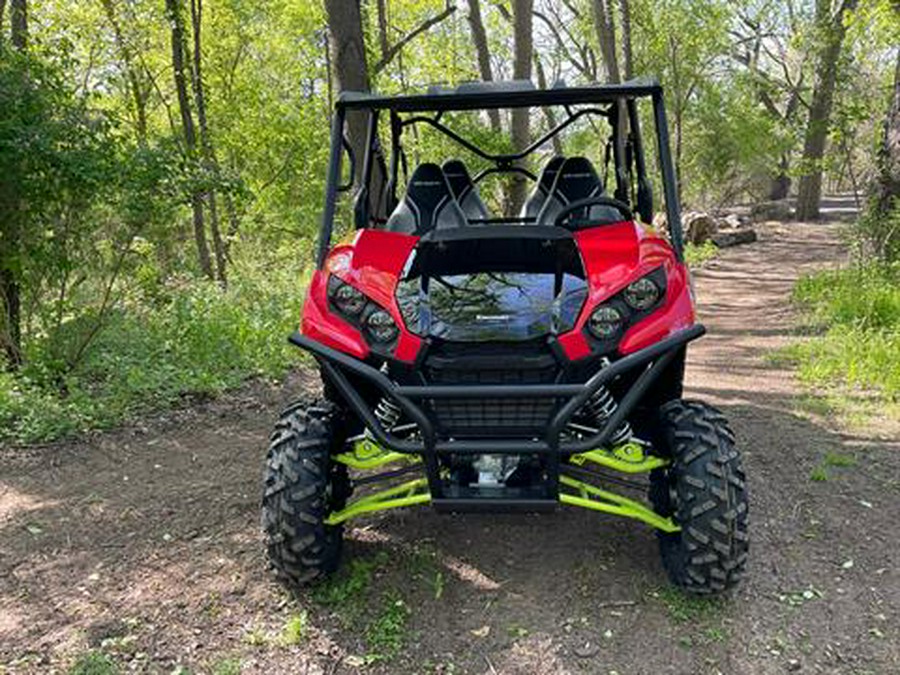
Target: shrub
(191, 338)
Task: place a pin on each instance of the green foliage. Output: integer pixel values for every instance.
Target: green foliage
(819, 474)
(386, 634)
(95, 220)
(294, 631)
(832, 460)
(180, 338)
(227, 666)
(346, 590)
(684, 608)
(859, 310)
(880, 233)
(697, 254)
(94, 663)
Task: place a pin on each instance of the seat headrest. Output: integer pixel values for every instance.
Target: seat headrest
(458, 177)
(577, 179)
(548, 175)
(428, 189)
(464, 190)
(542, 188)
(429, 202)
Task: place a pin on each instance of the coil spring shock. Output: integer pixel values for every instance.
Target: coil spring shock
(387, 413)
(601, 406)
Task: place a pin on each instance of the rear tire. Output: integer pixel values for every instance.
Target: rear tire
(302, 487)
(704, 490)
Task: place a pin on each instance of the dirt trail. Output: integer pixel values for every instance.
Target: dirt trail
(144, 542)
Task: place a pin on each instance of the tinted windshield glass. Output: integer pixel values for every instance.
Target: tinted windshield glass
(492, 305)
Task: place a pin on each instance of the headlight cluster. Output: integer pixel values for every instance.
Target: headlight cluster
(633, 302)
(351, 303)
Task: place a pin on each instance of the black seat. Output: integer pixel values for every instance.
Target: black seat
(463, 188)
(427, 205)
(542, 188)
(576, 179)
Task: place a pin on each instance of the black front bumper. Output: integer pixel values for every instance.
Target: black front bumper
(571, 397)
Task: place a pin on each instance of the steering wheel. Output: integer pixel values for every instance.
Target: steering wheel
(569, 209)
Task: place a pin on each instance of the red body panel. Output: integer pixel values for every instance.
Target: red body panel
(373, 263)
(613, 257)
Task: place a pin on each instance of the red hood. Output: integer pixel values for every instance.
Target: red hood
(613, 256)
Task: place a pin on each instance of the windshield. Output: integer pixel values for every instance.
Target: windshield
(484, 306)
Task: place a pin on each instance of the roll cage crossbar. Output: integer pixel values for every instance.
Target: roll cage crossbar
(620, 101)
(503, 159)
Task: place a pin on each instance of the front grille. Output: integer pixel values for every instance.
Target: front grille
(523, 363)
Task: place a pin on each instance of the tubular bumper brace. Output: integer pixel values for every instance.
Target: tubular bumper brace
(388, 447)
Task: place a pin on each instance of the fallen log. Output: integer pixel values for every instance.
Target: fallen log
(726, 238)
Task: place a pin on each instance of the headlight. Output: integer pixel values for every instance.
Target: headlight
(381, 326)
(605, 322)
(348, 299)
(641, 294)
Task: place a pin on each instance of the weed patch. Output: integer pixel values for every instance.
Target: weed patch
(346, 591)
(294, 631)
(226, 666)
(698, 254)
(683, 608)
(386, 633)
(94, 663)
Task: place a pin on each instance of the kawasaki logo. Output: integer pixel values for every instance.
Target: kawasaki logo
(493, 317)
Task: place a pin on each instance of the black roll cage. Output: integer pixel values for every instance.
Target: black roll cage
(618, 99)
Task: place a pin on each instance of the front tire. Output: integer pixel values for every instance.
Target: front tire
(302, 487)
(704, 490)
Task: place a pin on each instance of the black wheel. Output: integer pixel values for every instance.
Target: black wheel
(303, 486)
(704, 490)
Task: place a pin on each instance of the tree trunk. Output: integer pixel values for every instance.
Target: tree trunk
(11, 232)
(176, 20)
(780, 186)
(348, 58)
(210, 164)
(832, 30)
(482, 51)
(138, 97)
(606, 38)
(887, 184)
(18, 20)
(383, 38)
(548, 111)
(627, 52)
(522, 22)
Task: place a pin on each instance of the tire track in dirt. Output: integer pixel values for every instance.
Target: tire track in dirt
(145, 541)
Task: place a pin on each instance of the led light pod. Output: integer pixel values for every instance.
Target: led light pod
(605, 322)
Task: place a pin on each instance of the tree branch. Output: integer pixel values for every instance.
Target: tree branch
(412, 35)
(579, 65)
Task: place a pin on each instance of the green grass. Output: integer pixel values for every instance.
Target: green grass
(855, 313)
(94, 663)
(227, 666)
(697, 254)
(294, 631)
(819, 474)
(832, 460)
(379, 615)
(386, 633)
(684, 608)
(347, 591)
(184, 338)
